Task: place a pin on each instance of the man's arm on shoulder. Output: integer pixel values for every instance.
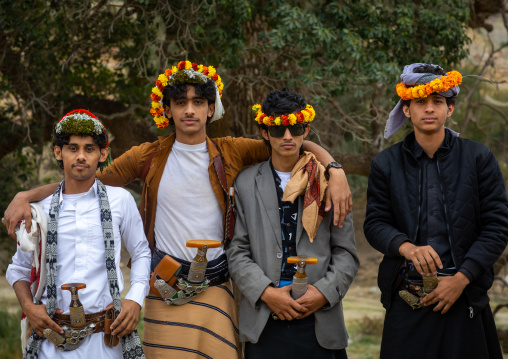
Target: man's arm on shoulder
(127, 167)
(338, 191)
(19, 208)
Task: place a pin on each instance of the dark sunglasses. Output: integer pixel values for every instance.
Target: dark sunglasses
(279, 131)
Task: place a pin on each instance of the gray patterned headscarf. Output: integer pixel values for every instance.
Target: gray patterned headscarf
(410, 78)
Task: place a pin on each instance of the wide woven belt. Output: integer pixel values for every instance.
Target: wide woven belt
(184, 291)
(73, 336)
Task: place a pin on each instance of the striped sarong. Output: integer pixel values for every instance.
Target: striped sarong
(206, 327)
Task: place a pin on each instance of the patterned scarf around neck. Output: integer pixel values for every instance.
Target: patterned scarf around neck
(131, 344)
(308, 179)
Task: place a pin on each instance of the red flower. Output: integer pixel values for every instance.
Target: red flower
(155, 98)
(285, 120)
(181, 65)
(79, 111)
(205, 70)
(215, 77)
(158, 83)
(195, 66)
(168, 73)
(299, 117)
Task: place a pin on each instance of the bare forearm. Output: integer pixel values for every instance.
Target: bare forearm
(22, 290)
(321, 154)
(37, 194)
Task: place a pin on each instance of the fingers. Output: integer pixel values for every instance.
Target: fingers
(328, 200)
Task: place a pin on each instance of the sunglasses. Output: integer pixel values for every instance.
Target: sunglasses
(279, 131)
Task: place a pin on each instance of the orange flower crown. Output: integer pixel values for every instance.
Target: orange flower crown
(304, 116)
(183, 72)
(442, 84)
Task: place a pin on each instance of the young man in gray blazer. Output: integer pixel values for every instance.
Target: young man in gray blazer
(280, 215)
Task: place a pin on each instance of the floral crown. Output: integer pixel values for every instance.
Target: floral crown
(183, 72)
(303, 116)
(82, 122)
(441, 84)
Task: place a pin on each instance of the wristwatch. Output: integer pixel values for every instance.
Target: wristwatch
(331, 165)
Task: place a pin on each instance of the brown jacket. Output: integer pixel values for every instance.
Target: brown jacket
(236, 152)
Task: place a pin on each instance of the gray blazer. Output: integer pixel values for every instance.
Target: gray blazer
(255, 258)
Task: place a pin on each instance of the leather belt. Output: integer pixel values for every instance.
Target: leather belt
(97, 318)
(216, 271)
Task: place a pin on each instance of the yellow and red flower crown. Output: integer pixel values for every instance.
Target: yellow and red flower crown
(198, 74)
(442, 84)
(303, 116)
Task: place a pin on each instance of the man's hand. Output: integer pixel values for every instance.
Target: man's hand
(40, 320)
(280, 302)
(339, 193)
(424, 258)
(312, 300)
(17, 210)
(127, 320)
(447, 292)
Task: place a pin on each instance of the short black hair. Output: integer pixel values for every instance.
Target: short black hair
(61, 139)
(281, 102)
(179, 91)
(430, 69)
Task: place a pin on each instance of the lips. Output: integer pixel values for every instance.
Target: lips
(80, 166)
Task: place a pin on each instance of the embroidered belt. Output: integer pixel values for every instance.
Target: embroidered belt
(184, 291)
(73, 336)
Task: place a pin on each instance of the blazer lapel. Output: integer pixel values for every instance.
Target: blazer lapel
(265, 186)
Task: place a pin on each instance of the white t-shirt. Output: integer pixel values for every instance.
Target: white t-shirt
(284, 179)
(187, 207)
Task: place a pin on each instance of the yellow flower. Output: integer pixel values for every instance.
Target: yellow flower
(211, 71)
(174, 69)
(163, 79)
(292, 119)
(156, 105)
(256, 107)
(266, 120)
(188, 65)
(156, 91)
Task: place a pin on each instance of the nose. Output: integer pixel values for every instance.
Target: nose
(287, 135)
(81, 155)
(429, 106)
(189, 109)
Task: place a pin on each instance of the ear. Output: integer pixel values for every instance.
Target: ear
(167, 111)
(264, 133)
(405, 109)
(451, 108)
(58, 153)
(307, 129)
(104, 154)
(211, 109)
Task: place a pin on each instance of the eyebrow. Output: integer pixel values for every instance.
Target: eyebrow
(86, 144)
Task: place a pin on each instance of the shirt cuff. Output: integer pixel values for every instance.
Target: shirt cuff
(471, 269)
(395, 244)
(137, 293)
